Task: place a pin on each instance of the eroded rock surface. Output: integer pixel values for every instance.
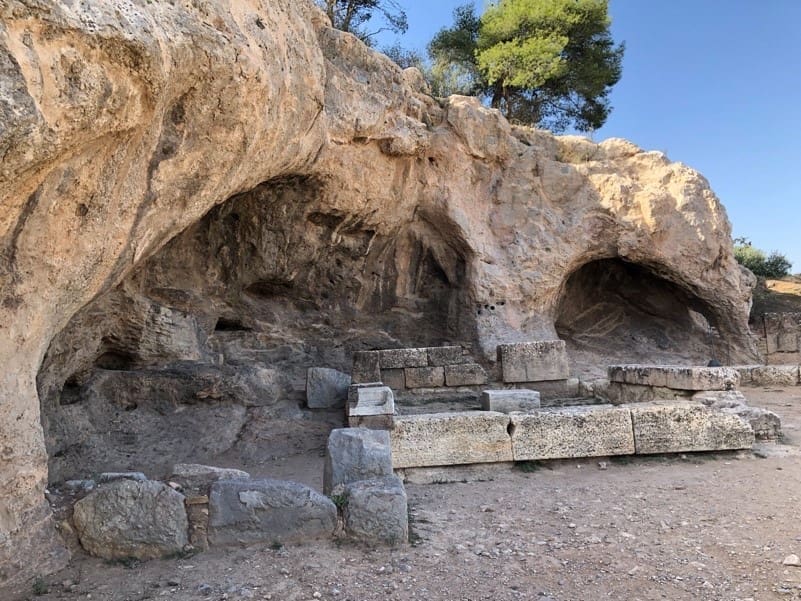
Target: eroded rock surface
(356, 212)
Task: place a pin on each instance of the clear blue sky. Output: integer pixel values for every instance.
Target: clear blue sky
(715, 84)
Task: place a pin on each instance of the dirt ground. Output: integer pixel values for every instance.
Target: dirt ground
(705, 526)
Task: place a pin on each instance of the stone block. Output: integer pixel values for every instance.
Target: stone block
(768, 375)
(467, 374)
(403, 357)
(107, 477)
(563, 433)
(686, 426)
(326, 388)
(425, 377)
(376, 510)
(366, 367)
(620, 394)
(440, 356)
(506, 401)
(354, 454)
(557, 389)
(196, 478)
(702, 378)
(130, 518)
(268, 511)
(394, 378)
(643, 375)
(370, 399)
(534, 361)
(450, 439)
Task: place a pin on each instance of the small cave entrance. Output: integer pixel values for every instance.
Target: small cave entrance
(612, 311)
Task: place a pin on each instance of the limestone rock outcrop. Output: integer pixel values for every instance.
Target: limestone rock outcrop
(355, 211)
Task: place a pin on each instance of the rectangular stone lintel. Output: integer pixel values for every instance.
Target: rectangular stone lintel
(450, 439)
(568, 432)
(643, 375)
(682, 427)
(440, 356)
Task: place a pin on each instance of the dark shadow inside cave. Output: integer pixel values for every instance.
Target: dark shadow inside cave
(200, 355)
(612, 311)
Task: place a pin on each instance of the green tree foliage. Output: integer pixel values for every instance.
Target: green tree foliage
(354, 16)
(545, 62)
(774, 266)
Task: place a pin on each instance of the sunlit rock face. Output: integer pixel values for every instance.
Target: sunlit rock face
(228, 188)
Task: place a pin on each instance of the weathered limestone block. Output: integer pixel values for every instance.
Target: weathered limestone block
(425, 377)
(557, 389)
(467, 374)
(197, 478)
(768, 375)
(766, 424)
(377, 510)
(394, 378)
(534, 361)
(129, 518)
(685, 426)
(450, 438)
(702, 378)
(618, 393)
(267, 511)
(366, 367)
(572, 432)
(107, 477)
(370, 405)
(440, 356)
(403, 357)
(326, 388)
(354, 454)
(506, 401)
(643, 375)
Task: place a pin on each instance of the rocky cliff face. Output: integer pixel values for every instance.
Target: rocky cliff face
(355, 210)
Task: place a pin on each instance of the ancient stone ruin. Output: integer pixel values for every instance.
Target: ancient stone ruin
(201, 204)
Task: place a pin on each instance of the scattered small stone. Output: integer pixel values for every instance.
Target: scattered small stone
(602, 465)
(792, 560)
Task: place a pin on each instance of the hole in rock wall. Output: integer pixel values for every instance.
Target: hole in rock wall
(612, 311)
(201, 354)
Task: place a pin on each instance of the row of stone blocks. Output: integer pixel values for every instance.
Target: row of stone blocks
(430, 367)
(588, 431)
(133, 517)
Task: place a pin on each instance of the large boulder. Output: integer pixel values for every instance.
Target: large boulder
(130, 518)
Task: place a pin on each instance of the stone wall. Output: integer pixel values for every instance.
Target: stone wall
(779, 336)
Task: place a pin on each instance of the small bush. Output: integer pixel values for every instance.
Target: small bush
(40, 586)
(774, 266)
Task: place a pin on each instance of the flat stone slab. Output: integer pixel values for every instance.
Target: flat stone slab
(450, 439)
(676, 377)
(326, 388)
(568, 432)
(534, 361)
(197, 478)
(268, 511)
(768, 375)
(681, 427)
(354, 454)
(506, 401)
(376, 510)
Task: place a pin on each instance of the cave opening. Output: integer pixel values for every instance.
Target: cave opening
(613, 311)
(200, 355)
